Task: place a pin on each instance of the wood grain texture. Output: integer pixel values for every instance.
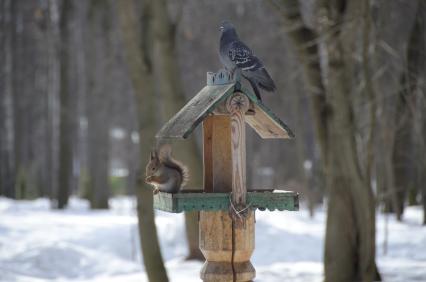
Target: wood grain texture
(217, 154)
(222, 161)
(208, 154)
(216, 246)
(227, 249)
(184, 122)
(220, 109)
(267, 125)
(237, 105)
(264, 121)
(243, 247)
(226, 246)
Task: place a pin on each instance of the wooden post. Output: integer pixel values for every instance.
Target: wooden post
(216, 244)
(237, 105)
(217, 154)
(227, 238)
(242, 218)
(216, 227)
(227, 249)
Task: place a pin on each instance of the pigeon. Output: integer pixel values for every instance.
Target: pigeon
(235, 55)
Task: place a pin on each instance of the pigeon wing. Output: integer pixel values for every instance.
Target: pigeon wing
(243, 57)
(251, 67)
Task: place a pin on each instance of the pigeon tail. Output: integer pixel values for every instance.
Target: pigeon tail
(264, 80)
(255, 89)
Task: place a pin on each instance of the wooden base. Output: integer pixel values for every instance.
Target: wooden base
(226, 247)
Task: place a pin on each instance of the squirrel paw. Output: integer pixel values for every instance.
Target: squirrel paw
(148, 179)
(155, 191)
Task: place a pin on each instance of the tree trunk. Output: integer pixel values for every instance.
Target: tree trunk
(18, 98)
(98, 146)
(370, 94)
(170, 90)
(416, 86)
(403, 157)
(65, 128)
(350, 234)
(98, 58)
(7, 170)
(53, 86)
(143, 86)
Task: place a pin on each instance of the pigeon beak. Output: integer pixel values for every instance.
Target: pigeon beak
(221, 28)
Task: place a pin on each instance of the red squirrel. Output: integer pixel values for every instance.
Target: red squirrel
(165, 173)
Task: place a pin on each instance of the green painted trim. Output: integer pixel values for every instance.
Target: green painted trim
(197, 201)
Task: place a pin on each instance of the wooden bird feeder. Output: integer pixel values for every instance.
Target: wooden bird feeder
(226, 219)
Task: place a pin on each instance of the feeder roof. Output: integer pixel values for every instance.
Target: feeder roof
(263, 121)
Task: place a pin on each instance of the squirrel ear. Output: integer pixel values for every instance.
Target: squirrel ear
(153, 154)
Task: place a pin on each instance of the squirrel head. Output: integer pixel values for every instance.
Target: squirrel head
(154, 164)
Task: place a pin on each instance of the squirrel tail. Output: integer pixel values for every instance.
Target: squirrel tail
(165, 156)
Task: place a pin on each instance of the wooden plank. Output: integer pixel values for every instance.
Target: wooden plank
(197, 201)
(243, 249)
(227, 249)
(184, 122)
(216, 245)
(237, 105)
(217, 154)
(276, 200)
(221, 150)
(207, 154)
(265, 122)
(267, 125)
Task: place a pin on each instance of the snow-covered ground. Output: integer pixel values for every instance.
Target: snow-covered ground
(38, 244)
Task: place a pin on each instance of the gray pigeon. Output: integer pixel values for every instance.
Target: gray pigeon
(235, 55)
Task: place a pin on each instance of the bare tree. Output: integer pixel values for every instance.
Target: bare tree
(137, 43)
(350, 233)
(395, 79)
(168, 87)
(65, 128)
(7, 170)
(416, 102)
(99, 59)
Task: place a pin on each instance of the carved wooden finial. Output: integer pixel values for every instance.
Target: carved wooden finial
(238, 102)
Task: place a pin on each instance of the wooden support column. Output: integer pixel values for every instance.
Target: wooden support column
(216, 244)
(242, 218)
(237, 105)
(227, 242)
(227, 249)
(217, 154)
(243, 247)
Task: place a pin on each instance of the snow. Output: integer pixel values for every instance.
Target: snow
(40, 244)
